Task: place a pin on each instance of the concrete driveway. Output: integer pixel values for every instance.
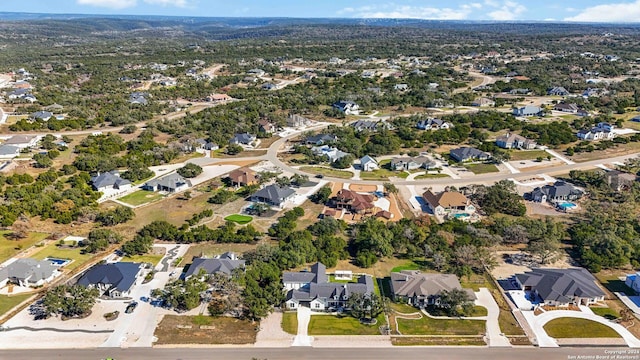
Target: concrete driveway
(494, 335)
(544, 340)
(304, 316)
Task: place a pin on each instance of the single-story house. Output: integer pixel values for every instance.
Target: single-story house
(514, 141)
(273, 195)
(633, 281)
(170, 183)
(560, 191)
(411, 163)
(110, 180)
(9, 151)
(320, 139)
(354, 202)
(295, 120)
(433, 124)
(619, 180)
(420, 290)
(243, 139)
(561, 287)
(28, 272)
(347, 107)
(23, 141)
(568, 108)
(243, 177)
(266, 127)
(41, 115)
(331, 153)
(448, 202)
(528, 110)
(369, 125)
(469, 154)
(269, 86)
(483, 102)
(367, 163)
(139, 98)
(224, 264)
(113, 280)
(312, 289)
(558, 91)
(401, 87)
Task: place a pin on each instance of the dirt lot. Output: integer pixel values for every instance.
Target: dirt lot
(363, 188)
(174, 329)
(505, 270)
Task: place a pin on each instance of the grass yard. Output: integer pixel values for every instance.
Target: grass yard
(9, 302)
(518, 155)
(174, 329)
(147, 258)
(342, 325)
(475, 282)
(342, 174)
(431, 176)
(479, 311)
(52, 250)
(578, 328)
(239, 219)
(409, 265)
(9, 248)
(429, 326)
(211, 249)
(481, 168)
(382, 174)
(290, 322)
(606, 312)
(437, 341)
(141, 197)
(612, 282)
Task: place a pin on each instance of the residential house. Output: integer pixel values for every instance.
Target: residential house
(558, 91)
(28, 273)
(223, 264)
(448, 202)
(347, 107)
(110, 181)
(561, 287)
(23, 141)
(354, 202)
(243, 139)
(367, 125)
(313, 289)
(433, 124)
(9, 151)
(514, 141)
(520, 92)
(469, 154)
(41, 115)
(320, 139)
(331, 153)
(483, 102)
(568, 108)
(266, 127)
(636, 119)
(168, 183)
(269, 86)
(411, 163)
(367, 163)
(631, 280)
(139, 98)
(603, 131)
(243, 177)
(559, 191)
(528, 110)
(593, 92)
(295, 120)
(401, 87)
(619, 180)
(273, 195)
(421, 290)
(114, 280)
(218, 98)
(256, 72)
(18, 94)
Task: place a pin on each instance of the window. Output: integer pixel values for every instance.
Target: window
(317, 306)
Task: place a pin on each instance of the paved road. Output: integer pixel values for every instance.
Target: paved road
(59, 330)
(220, 353)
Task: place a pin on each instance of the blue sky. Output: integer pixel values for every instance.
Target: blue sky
(551, 10)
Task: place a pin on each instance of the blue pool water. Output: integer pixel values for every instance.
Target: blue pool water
(379, 194)
(461, 216)
(58, 262)
(566, 205)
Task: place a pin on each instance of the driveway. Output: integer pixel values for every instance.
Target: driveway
(303, 339)
(494, 335)
(544, 340)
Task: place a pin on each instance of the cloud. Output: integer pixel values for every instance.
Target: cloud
(176, 3)
(113, 4)
(508, 10)
(620, 12)
(412, 12)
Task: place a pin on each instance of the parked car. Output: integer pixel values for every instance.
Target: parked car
(131, 307)
(319, 176)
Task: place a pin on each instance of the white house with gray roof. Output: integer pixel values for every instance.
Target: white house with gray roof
(23, 141)
(110, 181)
(368, 163)
(9, 151)
(169, 183)
(224, 264)
(114, 280)
(561, 287)
(273, 195)
(312, 289)
(28, 272)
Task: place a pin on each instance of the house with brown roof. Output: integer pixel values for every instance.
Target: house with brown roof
(354, 202)
(266, 126)
(448, 203)
(420, 290)
(243, 177)
(514, 141)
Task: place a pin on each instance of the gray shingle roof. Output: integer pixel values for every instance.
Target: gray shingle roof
(466, 153)
(171, 181)
(212, 266)
(245, 139)
(320, 287)
(108, 179)
(31, 269)
(274, 193)
(9, 150)
(561, 285)
(318, 274)
(121, 275)
(412, 283)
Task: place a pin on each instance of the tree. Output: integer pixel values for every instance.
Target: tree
(183, 294)
(546, 249)
(234, 149)
(42, 160)
(365, 306)
(119, 215)
(344, 162)
(190, 170)
(322, 195)
(69, 301)
(100, 239)
(263, 289)
(390, 188)
(456, 300)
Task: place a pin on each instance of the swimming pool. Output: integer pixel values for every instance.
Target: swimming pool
(461, 216)
(58, 262)
(565, 205)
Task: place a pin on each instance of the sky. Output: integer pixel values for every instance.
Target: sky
(502, 10)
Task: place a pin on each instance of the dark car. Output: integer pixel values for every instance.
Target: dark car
(319, 176)
(131, 307)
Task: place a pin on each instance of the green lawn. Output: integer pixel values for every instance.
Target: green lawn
(290, 322)
(429, 326)
(9, 302)
(479, 311)
(481, 168)
(239, 219)
(614, 284)
(342, 174)
(409, 265)
(517, 155)
(54, 251)
(431, 176)
(382, 174)
(147, 258)
(606, 312)
(9, 248)
(342, 325)
(141, 197)
(578, 328)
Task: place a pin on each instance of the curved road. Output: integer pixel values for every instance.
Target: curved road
(28, 328)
